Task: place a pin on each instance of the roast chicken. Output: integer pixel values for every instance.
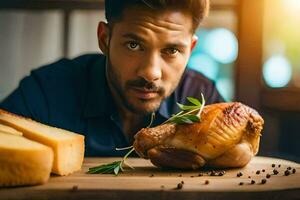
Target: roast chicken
(227, 135)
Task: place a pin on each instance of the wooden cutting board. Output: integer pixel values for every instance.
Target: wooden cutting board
(148, 182)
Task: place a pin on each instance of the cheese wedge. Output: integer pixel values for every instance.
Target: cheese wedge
(23, 162)
(9, 130)
(68, 147)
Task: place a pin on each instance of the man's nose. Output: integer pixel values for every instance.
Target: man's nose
(151, 68)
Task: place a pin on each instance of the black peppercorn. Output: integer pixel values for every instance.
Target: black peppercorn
(294, 171)
(74, 188)
(275, 172)
(273, 165)
(241, 183)
(263, 181)
(239, 174)
(206, 182)
(179, 186)
(252, 182)
(268, 176)
(287, 172)
(257, 172)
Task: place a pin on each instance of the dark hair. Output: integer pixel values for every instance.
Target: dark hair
(198, 8)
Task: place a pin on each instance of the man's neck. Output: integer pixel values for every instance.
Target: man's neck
(132, 123)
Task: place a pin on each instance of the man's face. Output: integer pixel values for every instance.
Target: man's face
(147, 55)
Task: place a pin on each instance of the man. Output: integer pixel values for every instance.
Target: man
(146, 45)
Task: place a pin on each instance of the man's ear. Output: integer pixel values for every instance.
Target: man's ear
(194, 41)
(103, 37)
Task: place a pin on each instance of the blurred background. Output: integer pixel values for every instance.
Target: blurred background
(251, 49)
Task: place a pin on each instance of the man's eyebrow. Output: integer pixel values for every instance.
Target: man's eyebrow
(169, 44)
(133, 36)
(177, 44)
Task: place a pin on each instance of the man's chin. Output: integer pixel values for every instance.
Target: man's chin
(144, 107)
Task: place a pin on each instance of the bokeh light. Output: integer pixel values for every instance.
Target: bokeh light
(222, 45)
(225, 87)
(277, 71)
(204, 64)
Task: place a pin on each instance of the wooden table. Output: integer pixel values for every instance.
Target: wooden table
(148, 182)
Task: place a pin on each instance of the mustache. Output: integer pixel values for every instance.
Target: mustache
(148, 85)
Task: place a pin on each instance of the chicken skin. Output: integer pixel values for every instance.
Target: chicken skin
(227, 135)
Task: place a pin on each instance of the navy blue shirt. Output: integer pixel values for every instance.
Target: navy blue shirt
(74, 95)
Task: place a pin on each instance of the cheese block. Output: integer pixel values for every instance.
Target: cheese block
(68, 147)
(9, 130)
(23, 162)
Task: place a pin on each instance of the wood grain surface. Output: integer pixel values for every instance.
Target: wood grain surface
(148, 182)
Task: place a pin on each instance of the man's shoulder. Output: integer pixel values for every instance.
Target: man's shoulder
(65, 69)
(193, 80)
(196, 77)
(194, 83)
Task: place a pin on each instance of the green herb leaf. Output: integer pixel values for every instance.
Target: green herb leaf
(185, 107)
(189, 113)
(111, 168)
(194, 101)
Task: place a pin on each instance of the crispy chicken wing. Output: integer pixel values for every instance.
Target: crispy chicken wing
(227, 136)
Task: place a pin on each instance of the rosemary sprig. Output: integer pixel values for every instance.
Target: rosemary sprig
(112, 168)
(186, 115)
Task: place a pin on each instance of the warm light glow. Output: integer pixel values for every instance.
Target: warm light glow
(292, 5)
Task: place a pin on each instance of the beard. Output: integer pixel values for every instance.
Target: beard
(138, 106)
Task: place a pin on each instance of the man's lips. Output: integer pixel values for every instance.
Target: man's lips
(142, 93)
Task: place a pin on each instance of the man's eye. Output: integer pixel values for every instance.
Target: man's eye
(171, 51)
(133, 46)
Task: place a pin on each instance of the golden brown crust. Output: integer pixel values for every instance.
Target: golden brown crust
(222, 127)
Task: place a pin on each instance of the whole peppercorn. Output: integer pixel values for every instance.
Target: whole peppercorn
(294, 171)
(179, 186)
(239, 174)
(289, 168)
(275, 171)
(241, 183)
(273, 165)
(263, 170)
(74, 188)
(206, 182)
(252, 182)
(258, 172)
(263, 181)
(279, 165)
(287, 172)
(268, 176)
